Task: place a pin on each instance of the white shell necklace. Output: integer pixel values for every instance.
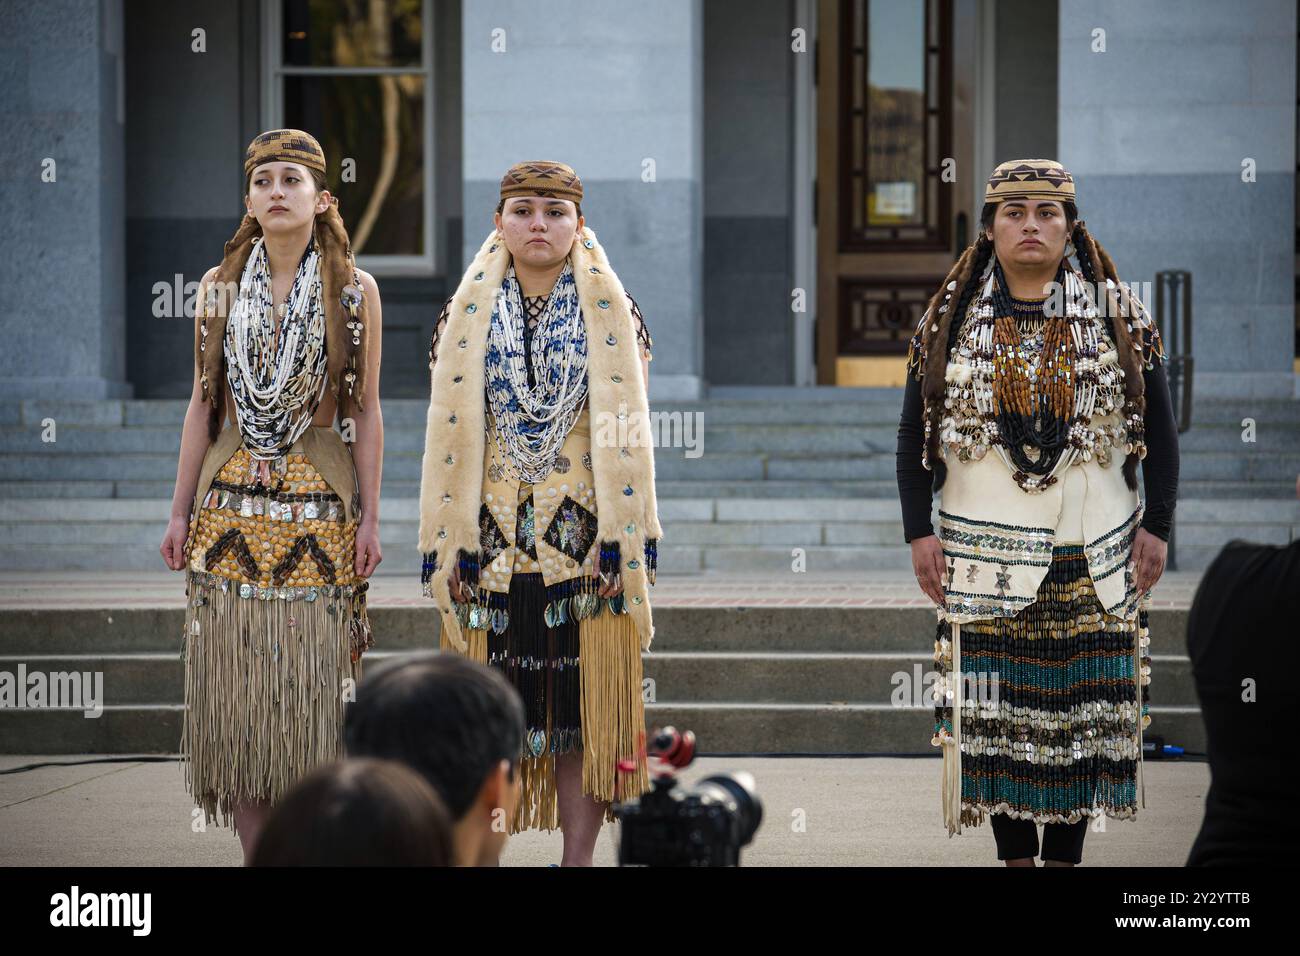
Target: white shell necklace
(276, 385)
(532, 421)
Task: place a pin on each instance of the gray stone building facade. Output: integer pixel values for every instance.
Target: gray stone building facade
(696, 127)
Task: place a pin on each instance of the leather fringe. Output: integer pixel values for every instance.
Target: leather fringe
(613, 712)
(476, 649)
(952, 813)
(613, 721)
(264, 692)
(538, 806)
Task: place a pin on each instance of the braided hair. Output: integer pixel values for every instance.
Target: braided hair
(336, 271)
(938, 333)
(936, 336)
(1097, 267)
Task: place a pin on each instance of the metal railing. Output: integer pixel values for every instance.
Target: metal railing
(1174, 303)
(1173, 317)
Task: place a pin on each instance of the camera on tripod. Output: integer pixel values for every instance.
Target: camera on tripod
(670, 825)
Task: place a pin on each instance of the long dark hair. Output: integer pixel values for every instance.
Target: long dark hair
(939, 332)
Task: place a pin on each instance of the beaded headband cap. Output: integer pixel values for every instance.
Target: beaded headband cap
(541, 178)
(284, 146)
(1030, 179)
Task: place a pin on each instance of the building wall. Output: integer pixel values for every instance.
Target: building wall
(184, 148)
(748, 147)
(62, 314)
(1025, 115)
(603, 86)
(189, 118)
(1155, 131)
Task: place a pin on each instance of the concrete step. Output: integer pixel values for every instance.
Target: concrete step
(851, 728)
(676, 512)
(1220, 490)
(768, 432)
(1199, 557)
(830, 678)
(679, 629)
(885, 488)
(394, 509)
(1269, 437)
(826, 678)
(1266, 412)
(395, 489)
(779, 405)
(128, 728)
(741, 403)
(142, 679)
(671, 465)
(802, 439)
(851, 409)
(1214, 536)
(401, 555)
(783, 679)
(719, 728)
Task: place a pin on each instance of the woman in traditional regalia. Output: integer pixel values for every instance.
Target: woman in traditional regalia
(538, 521)
(1036, 388)
(275, 515)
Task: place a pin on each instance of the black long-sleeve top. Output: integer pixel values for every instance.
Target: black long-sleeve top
(1159, 468)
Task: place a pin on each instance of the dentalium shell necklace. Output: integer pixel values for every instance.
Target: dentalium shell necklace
(532, 423)
(276, 385)
(985, 363)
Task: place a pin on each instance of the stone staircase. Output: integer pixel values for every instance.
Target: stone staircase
(782, 473)
(772, 680)
(777, 470)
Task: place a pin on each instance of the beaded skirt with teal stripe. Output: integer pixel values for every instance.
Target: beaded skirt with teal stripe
(1050, 719)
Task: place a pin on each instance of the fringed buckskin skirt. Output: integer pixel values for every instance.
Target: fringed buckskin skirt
(575, 660)
(1052, 709)
(275, 625)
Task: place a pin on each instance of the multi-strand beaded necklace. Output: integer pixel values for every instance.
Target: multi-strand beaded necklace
(535, 386)
(1026, 379)
(276, 370)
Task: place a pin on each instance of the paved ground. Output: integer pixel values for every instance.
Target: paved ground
(818, 811)
(81, 589)
(867, 811)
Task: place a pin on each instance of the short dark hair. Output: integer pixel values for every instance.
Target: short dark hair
(448, 718)
(358, 813)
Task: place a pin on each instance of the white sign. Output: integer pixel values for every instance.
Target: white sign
(896, 199)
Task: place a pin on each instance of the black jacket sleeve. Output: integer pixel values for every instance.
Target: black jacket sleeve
(915, 482)
(1160, 467)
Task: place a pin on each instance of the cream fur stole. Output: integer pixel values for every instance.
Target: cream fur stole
(622, 452)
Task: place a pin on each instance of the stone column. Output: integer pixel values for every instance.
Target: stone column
(62, 310)
(1156, 131)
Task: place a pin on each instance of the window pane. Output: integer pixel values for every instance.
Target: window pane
(378, 121)
(352, 32)
(896, 61)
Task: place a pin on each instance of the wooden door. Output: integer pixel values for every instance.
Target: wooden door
(895, 90)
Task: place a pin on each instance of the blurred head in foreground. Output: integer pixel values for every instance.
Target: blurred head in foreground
(358, 813)
(458, 724)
